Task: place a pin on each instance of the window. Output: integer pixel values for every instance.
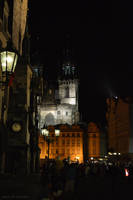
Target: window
(67, 92)
(73, 142)
(66, 113)
(78, 134)
(78, 151)
(73, 135)
(78, 142)
(57, 142)
(63, 142)
(52, 151)
(68, 151)
(63, 152)
(63, 135)
(67, 135)
(58, 112)
(73, 151)
(68, 142)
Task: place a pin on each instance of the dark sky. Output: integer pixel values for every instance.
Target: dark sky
(99, 34)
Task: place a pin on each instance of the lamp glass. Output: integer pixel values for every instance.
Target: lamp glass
(57, 132)
(45, 132)
(8, 61)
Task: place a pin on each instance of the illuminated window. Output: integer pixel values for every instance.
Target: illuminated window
(73, 142)
(73, 151)
(63, 152)
(78, 142)
(52, 151)
(68, 151)
(78, 151)
(68, 142)
(63, 142)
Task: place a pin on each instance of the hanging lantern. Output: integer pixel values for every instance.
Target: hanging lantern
(8, 58)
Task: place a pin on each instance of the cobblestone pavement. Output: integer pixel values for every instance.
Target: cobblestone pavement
(21, 187)
(30, 188)
(105, 188)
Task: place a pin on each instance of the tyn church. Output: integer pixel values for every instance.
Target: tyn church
(60, 104)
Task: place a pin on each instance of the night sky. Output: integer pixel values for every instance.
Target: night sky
(99, 35)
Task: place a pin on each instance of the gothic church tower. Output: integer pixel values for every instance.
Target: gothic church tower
(68, 88)
(60, 104)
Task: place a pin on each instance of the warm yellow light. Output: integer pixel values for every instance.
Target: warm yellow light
(77, 157)
(8, 61)
(100, 158)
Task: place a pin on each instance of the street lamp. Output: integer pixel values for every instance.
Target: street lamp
(45, 132)
(8, 58)
(57, 132)
(8, 61)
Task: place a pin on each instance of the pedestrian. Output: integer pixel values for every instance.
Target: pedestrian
(70, 178)
(87, 170)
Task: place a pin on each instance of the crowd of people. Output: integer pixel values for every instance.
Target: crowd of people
(60, 177)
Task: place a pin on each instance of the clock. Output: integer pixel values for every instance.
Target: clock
(16, 127)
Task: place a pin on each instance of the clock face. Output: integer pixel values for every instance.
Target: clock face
(16, 127)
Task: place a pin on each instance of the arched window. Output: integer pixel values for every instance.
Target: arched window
(67, 92)
(49, 119)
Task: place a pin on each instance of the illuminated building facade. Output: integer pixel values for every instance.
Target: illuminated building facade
(69, 145)
(77, 141)
(93, 136)
(60, 104)
(120, 125)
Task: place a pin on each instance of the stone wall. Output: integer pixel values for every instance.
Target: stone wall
(19, 23)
